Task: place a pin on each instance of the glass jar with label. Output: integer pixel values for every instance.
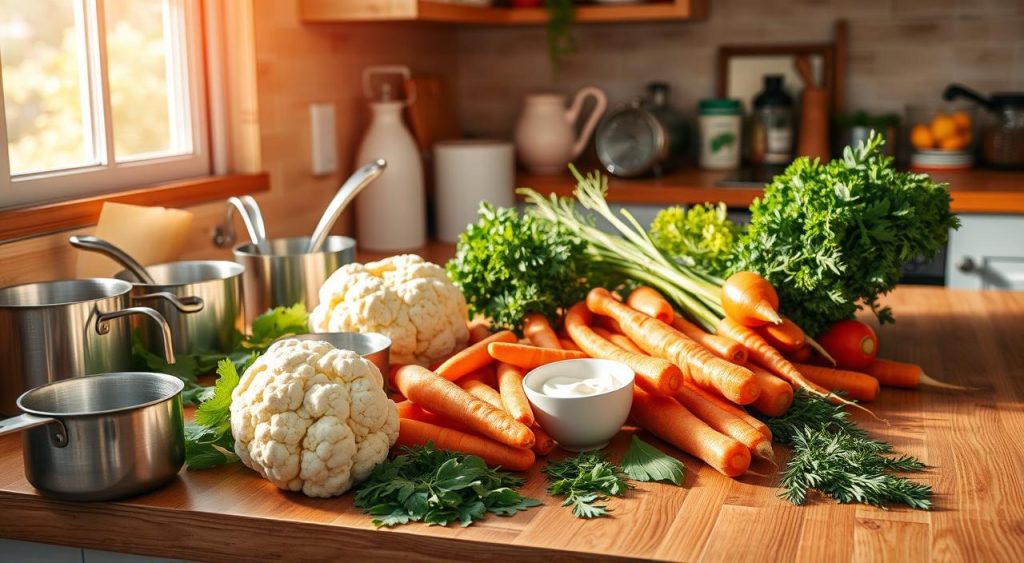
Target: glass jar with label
(720, 126)
(771, 137)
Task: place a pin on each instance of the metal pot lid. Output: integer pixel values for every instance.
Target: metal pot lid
(630, 142)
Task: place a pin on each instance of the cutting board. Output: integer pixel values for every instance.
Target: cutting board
(152, 235)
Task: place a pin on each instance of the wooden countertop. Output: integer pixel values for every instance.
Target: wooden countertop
(972, 441)
(973, 191)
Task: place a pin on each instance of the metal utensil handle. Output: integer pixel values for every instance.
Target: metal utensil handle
(94, 244)
(256, 215)
(187, 304)
(224, 235)
(348, 191)
(103, 326)
(26, 421)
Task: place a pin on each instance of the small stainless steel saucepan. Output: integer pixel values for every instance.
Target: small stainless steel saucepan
(201, 299)
(102, 437)
(62, 329)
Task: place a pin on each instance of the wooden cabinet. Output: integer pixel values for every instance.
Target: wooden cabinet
(441, 12)
(987, 252)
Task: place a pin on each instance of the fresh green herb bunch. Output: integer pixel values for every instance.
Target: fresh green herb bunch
(208, 440)
(585, 481)
(436, 487)
(702, 236)
(829, 235)
(833, 455)
(508, 265)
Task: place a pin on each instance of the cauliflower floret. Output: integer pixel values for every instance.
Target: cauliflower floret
(403, 297)
(309, 417)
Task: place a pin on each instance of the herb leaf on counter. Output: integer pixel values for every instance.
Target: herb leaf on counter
(644, 462)
(585, 481)
(436, 487)
(508, 265)
(208, 440)
(833, 455)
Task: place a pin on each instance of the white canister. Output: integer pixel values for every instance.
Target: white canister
(720, 126)
(466, 173)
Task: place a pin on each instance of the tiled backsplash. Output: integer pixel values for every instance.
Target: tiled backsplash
(900, 51)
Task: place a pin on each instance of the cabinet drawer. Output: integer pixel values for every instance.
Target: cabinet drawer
(987, 252)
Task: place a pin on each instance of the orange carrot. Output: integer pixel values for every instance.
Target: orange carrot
(529, 357)
(538, 331)
(658, 339)
(762, 354)
(417, 433)
(858, 386)
(472, 358)
(608, 324)
(478, 331)
(672, 422)
(513, 398)
(653, 374)
(568, 344)
(730, 407)
(750, 300)
(776, 395)
(650, 302)
(620, 340)
(727, 423)
(545, 443)
(444, 398)
(785, 336)
(901, 374)
(482, 391)
(725, 348)
(800, 356)
(412, 411)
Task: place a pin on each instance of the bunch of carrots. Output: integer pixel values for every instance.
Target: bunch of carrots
(692, 387)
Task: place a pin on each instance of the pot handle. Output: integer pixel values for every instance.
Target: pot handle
(187, 304)
(600, 104)
(954, 91)
(103, 326)
(26, 421)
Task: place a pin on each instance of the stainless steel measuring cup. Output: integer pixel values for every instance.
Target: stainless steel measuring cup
(62, 329)
(101, 437)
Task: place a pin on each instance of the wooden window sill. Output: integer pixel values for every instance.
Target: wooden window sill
(53, 217)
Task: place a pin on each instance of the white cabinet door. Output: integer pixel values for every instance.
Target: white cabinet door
(987, 252)
(13, 551)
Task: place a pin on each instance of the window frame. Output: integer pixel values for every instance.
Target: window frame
(112, 176)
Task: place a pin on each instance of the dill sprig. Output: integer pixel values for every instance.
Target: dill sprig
(831, 454)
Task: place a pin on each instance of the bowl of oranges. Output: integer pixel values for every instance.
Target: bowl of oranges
(942, 138)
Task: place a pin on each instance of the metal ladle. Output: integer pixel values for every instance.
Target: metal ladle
(252, 217)
(348, 191)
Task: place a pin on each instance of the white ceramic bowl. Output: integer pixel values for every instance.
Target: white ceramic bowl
(581, 423)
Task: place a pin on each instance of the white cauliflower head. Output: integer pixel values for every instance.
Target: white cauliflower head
(406, 298)
(309, 417)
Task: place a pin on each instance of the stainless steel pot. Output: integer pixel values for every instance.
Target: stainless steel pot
(102, 437)
(370, 345)
(62, 329)
(213, 288)
(288, 274)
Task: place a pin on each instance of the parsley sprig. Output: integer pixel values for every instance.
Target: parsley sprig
(833, 455)
(586, 481)
(437, 487)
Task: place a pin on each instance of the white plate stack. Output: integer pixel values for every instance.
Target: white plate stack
(935, 159)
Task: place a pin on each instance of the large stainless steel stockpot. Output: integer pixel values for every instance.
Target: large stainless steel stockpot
(61, 329)
(212, 291)
(288, 274)
(102, 437)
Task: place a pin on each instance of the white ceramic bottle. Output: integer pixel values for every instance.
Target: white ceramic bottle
(391, 214)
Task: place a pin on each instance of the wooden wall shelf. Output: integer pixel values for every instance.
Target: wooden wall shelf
(337, 11)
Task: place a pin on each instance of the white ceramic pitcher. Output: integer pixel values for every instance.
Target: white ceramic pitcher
(546, 139)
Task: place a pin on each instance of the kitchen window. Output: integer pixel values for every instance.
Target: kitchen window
(99, 96)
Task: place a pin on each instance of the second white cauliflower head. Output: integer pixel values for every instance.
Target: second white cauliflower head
(309, 417)
(406, 298)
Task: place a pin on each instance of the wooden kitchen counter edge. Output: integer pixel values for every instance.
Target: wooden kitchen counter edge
(967, 439)
(973, 191)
